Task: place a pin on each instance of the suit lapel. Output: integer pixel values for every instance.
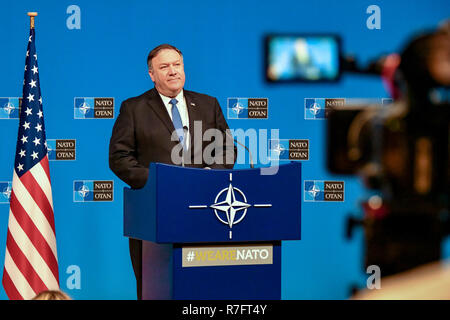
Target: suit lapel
(194, 115)
(157, 105)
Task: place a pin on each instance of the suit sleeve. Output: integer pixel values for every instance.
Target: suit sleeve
(122, 150)
(229, 152)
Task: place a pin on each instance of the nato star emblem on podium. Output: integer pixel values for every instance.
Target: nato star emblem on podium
(230, 211)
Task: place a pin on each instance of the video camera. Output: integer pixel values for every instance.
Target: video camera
(401, 150)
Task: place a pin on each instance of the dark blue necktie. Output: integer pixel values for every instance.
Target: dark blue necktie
(176, 119)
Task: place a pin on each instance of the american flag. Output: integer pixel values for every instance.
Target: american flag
(31, 263)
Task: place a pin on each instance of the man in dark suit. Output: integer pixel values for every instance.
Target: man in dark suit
(167, 124)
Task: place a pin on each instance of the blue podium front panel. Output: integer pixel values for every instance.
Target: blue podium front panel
(186, 205)
(214, 234)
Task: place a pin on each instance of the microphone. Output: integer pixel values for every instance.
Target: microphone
(185, 133)
(245, 147)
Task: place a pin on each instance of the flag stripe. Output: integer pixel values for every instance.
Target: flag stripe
(33, 256)
(46, 167)
(10, 288)
(41, 178)
(19, 258)
(20, 283)
(39, 197)
(34, 234)
(34, 212)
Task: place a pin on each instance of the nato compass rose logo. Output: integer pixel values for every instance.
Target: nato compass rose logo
(230, 206)
(237, 108)
(314, 191)
(9, 107)
(278, 149)
(84, 191)
(84, 108)
(5, 191)
(315, 108)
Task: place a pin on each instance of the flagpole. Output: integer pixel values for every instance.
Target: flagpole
(32, 15)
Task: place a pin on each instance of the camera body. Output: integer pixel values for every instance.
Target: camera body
(400, 150)
(402, 155)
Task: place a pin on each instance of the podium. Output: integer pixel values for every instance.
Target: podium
(214, 234)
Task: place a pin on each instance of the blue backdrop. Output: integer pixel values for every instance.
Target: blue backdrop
(222, 42)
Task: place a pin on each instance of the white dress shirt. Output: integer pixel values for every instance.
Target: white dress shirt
(182, 108)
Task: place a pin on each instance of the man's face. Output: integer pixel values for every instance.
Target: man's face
(168, 72)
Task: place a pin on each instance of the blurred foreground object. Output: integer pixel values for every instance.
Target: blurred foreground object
(428, 282)
(401, 151)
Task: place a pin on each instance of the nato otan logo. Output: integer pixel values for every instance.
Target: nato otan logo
(247, 108)
(61, 149)
(319, 108)
(289, 149)
(316, 190)
(93, 108)
(93, 190)
(5, 191)
(10, 107)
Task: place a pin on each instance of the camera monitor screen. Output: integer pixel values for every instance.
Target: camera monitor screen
(302, 58)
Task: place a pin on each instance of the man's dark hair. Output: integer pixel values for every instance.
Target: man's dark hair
(156, 50)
